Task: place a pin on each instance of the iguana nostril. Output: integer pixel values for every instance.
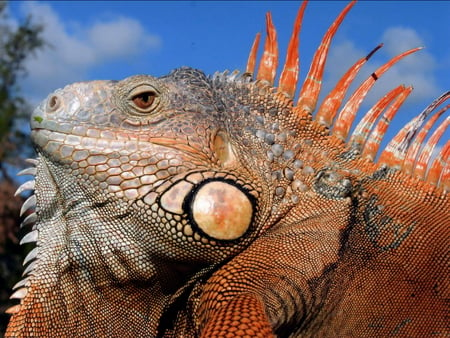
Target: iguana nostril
(53, 103)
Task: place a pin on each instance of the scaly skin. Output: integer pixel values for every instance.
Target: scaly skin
(193, 206)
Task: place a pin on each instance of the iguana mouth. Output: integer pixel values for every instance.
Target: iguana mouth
(47, 139)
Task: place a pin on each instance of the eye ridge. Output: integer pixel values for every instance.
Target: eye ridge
(144, 100)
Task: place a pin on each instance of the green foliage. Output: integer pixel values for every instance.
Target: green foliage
(17, 43)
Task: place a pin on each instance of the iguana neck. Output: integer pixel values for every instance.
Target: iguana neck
(89, 279)
(74, 304)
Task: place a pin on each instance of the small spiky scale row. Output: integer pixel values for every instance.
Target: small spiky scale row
(30, 237)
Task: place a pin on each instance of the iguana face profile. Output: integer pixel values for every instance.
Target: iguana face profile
(192, 205)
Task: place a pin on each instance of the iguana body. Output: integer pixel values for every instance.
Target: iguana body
(194, 206)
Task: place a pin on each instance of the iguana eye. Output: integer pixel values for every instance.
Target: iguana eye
(143, 98)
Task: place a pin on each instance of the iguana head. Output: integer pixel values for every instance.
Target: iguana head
(162, 157)
(143, 185)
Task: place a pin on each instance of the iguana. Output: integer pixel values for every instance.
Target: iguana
(220, 206)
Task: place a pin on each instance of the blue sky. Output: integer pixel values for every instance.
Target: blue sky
(116, 39)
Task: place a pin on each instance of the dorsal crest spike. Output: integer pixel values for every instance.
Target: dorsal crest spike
(365, 126)
(445, 176)
(269, 62)
(413, 151)
(373, 142)
(251, 63)
(439, 172)
(289, 75)
(332, 102)
(347, 115)
(427, 151)
(395, 152)
(313, 82)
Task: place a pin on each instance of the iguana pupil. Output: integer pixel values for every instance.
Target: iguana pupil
(144, 100)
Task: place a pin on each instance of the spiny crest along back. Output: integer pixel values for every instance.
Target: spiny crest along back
(407, 151)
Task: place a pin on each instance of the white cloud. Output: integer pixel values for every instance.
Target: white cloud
(71, 55)
(341, 57)
(399, 39)
(129, 38)
(417, 69)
